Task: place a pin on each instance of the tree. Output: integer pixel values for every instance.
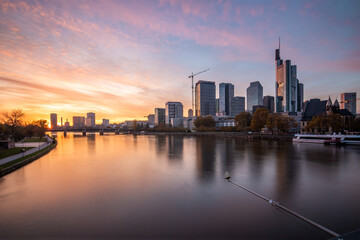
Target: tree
(41, 127)
(356, 125)
(243, 121)
(278, 123)
(204, 124)
(30, 130)
(207, 121)
(258, 120)
(13, 119)
(325, 123)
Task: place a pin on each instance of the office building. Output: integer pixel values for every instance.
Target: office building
(205, 98)
(67, 124)
(78, 121)
(190, 113)
(173, 110)
(348, 101)
(256, 107)
(268, 103)
(91, 116)
(289, 93)
(237, 105)
(159, 116)
(105, 122)
(226, 93)
(254, 95)
(151, 119)
(53, 120)
(217, 101)
(300, 97)
(88, 122)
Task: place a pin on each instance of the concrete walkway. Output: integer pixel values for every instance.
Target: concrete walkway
(27, 152)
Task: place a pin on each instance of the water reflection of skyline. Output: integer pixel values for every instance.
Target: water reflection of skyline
(205, 157)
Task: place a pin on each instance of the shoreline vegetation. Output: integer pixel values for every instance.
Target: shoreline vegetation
(9, 167)
(14, 130)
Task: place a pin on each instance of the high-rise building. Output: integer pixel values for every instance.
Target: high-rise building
(53, 120)
(159, 116)
(173, 110)
(151, 119)
(67, 124)
(226, 93)
(205, 94)
(88, 122)
(217, 102)
(105, 122)
(300, 97)
(78, 121)
(268, 103)
(190, 113)
(254, 95)
(289, 93)
(348, 101)
(91, 115)
(237, 105)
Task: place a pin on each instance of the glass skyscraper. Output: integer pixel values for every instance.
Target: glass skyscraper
(289, 93)
(237, 105)
(348, 101)
(226, 93)
(254, 95)
(205, 95)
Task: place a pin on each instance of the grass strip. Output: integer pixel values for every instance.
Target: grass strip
(8, 164)
(12, 151)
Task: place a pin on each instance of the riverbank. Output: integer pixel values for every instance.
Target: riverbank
(11, 166)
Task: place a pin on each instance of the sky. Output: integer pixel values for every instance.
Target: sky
(122, 59)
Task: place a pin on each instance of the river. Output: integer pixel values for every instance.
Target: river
(161, 186)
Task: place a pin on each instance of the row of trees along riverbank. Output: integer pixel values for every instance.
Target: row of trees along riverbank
(245, 122)
(13, 125)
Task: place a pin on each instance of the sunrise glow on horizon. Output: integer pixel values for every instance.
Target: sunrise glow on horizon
(122, 59)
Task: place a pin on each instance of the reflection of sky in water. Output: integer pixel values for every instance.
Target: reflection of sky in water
(173, 186)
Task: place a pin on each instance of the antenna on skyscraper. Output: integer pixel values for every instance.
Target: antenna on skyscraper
(279, 43)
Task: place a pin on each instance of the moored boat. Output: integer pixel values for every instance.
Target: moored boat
(339, 139)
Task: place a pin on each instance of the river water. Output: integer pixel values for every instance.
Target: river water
(125, 186)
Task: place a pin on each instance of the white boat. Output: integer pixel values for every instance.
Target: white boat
(327, 139)
(351, 139)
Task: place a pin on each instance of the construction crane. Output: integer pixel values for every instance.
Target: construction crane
(347, 101)
(192, 86)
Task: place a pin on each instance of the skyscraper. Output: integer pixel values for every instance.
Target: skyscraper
(287, 92)
(300, 97)
(173, 110)
(91, 116)
(226, 93)
(217, 101)
(254, 95)
(78, 121)
(159, 116)
(237, 105)
(348, 101)
(53, 120)
(269, 103)
(205, 94)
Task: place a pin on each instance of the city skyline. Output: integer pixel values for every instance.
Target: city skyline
(122, 59)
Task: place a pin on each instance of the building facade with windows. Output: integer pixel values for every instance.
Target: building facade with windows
(205, 98)
(254, 95)
(226, 93)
